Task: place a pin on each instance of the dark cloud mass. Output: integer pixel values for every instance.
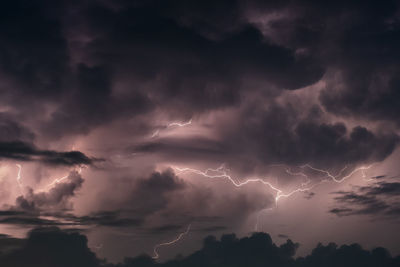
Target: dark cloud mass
(115, 116)
(51, 247)
(27, 152)
(70, 249)
(279, 135)
(380, 199)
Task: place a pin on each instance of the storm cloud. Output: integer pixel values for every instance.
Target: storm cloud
(228, 115)
(70, 249)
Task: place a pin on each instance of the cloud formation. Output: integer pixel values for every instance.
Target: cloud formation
(53, 247)
(270, 88)
(379, 199)
(27, 152)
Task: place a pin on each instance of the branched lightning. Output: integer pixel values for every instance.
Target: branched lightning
(179, 237)
(222, 173)
(307, 180)
(335, 178)
(55, 181)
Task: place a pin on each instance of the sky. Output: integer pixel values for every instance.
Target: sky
(184, 133)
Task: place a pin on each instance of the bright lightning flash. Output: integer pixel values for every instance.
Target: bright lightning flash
(179, 237)
(222, 173)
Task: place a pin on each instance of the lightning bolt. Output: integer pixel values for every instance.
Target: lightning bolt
(222, 173)
(172, 124)
(258, 218)
(155, 134)
(180, 124)
(179, 237)
(335, 178)
(55, 181)
(19, 177)
(59, 180)
(308, 180)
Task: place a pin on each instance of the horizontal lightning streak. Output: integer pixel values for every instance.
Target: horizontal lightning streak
(221, 172)
(172, 124)
(180, 124)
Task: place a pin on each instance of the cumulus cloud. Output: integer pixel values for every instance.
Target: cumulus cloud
(58, 197)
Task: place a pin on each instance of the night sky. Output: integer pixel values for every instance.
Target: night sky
(199, 133)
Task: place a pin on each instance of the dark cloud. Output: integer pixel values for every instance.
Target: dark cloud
(134, 58)
(61, 218)
(258, 250)
(380, 199)
(347, 255)
(23, 151)
(158, 185)
(8, 244)
(107, 218)
(195, 67)
(359, 204)
(184, 148)
(163, 202)
(184, 57)
(34, 53)
(213, 228)
(103, 74)
(166, 228)
(279, 135)
(11, 130)
(30, 220)
(358, 101)
(312, 141)
(360, 52)
(139, 199)
(383, 188)
(53, 247)
(91, 103)
(309, 195)
(378, 177)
